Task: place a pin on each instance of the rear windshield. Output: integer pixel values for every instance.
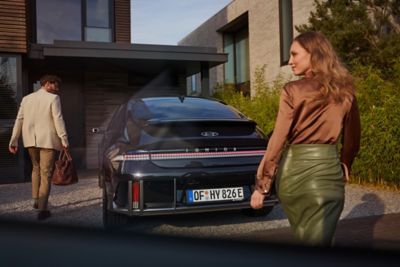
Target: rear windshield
(179, 109)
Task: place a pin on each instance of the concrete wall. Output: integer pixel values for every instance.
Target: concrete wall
(264, 38)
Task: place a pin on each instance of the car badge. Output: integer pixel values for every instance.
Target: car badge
(208, 134)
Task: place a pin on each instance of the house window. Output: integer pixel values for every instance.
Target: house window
(74, 20)
(58, 20)
(194, 84)
(8, 87)
(286, 29)
(98, 21)
(236, 45)
(11, 166)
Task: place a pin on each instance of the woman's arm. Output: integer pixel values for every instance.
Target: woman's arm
(351, 135)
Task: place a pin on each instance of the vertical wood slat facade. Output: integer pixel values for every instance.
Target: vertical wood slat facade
(13, 34)
(104, 92)
(122, 14)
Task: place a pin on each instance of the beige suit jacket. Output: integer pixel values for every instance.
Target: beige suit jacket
(41, 121)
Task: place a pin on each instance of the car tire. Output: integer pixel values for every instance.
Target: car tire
(112, 220)
(264, 211)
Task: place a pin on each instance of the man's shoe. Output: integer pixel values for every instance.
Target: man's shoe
(43, 215)
(35, 204)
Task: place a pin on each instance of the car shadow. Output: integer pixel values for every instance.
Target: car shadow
(208, 224)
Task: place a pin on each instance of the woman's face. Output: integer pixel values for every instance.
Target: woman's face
(300, 59)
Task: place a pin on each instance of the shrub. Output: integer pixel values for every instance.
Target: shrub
(378, 100)
(379, 157)
(263, 107)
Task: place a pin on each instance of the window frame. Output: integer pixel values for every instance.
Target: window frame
(238, 85)
(285, 60)
(33, 21)
(110, 21)
(20, 92)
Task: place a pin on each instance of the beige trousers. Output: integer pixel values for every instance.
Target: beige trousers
(42, 170)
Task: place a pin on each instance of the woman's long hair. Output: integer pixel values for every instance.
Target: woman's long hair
(337, 83)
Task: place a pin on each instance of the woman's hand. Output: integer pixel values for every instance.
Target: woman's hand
(257, 200)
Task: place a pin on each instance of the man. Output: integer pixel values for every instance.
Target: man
(43, 133)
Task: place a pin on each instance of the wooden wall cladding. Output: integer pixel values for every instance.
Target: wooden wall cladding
(104, 92)
(122, 12)
(13, 36)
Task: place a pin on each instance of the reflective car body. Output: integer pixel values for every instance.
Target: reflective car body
(165, 155)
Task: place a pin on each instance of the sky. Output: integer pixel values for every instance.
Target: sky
(169, 21)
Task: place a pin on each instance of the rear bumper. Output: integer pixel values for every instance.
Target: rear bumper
(177, 207)
(192, 209)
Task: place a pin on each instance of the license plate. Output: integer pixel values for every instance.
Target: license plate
(215, 194)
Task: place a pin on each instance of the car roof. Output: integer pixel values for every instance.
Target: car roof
(180, 99)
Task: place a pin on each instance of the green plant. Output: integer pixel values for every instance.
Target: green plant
(378, 100)
(262, 107)
(379, 155)
(365, 32)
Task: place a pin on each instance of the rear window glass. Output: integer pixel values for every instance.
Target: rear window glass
(178, 109)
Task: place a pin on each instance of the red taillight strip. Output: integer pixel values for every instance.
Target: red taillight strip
(192, 155)
(136, 157)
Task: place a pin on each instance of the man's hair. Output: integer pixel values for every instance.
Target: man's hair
(49, 79)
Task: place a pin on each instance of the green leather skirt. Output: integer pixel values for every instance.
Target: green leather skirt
(310, 187)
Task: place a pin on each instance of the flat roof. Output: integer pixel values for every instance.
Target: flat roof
(130, 55)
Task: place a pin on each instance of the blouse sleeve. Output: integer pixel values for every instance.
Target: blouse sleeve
(351, 135)
(277, 141)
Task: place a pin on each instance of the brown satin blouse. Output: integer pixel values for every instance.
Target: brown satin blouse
(301, 120)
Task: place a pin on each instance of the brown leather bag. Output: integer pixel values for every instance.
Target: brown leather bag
(64, 170)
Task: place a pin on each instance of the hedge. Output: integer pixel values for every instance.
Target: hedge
(378, 161)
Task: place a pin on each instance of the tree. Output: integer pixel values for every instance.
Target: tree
(365, 31)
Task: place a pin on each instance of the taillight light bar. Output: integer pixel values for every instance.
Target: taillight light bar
(189, 155)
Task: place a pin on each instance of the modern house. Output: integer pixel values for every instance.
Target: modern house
(253, 33)
(87, 43)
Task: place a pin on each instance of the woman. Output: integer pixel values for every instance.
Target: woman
(313, 112)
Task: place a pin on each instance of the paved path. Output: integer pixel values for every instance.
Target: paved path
(378, 232)
(362, 223)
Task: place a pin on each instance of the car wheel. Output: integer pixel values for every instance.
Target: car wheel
(264, 211)
(112, 220)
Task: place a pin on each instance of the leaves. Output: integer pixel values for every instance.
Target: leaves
(263, 107)
(366, 32)
(366, 35)
(379, 106)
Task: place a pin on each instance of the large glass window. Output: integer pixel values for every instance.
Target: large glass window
(242, 56)
(286, 29)
(98, 21)
(8, 88)
(76, 20)
(58, 20)
(229, 48)
(9, 68)
(194, 84)
(237, 70)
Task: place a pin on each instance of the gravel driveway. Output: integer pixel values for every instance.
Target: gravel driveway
(80, 205)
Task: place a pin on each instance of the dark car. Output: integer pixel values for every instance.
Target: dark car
(168, 155)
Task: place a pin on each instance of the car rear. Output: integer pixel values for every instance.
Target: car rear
(193, 158)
